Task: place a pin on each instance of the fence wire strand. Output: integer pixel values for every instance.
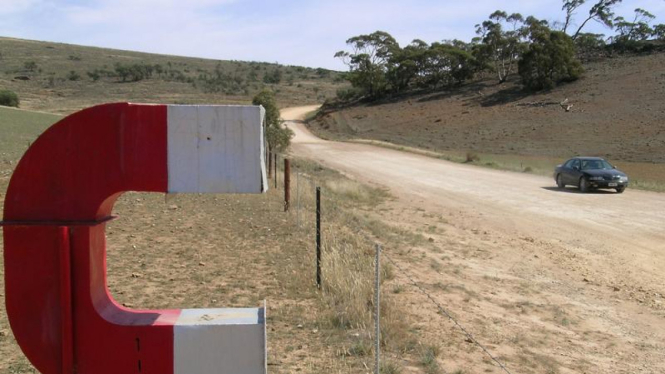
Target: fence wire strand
(445, 312)
(312, 183)
(436, 303)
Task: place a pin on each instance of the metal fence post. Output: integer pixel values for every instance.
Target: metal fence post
(298, 198)
(377, 317)
(269, 167)
(287, 184)
(318, 237)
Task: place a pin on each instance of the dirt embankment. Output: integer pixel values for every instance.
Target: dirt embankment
(618, 112)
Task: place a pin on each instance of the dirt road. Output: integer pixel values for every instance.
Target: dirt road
(599, 257)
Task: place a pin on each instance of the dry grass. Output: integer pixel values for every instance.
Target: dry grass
(348, 254)
(390, 367)
(471, 157)
(428, 358)
(347, 281)
(353, 192)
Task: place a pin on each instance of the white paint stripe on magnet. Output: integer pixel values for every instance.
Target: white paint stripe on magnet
(214, 341)
(216, 149)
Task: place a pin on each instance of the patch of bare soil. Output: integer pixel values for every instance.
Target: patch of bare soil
(539, 305)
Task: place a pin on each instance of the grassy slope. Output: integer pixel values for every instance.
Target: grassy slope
(618, 113)
(49, 88)
(17, 129)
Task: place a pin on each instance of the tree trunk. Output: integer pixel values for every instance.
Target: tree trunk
(577, 33)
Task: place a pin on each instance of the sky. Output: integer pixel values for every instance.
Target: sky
(297, 32)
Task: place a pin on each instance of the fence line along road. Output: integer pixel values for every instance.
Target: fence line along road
(411, 279)
(443, 311)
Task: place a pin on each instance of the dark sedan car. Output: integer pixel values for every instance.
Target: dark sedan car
(590, 173)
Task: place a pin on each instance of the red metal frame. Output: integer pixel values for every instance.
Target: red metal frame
(59, 198)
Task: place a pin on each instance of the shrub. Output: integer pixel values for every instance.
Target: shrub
(140, 71)
(9, 98)
(339, 78)
(322, 73)
(30, 66)
(73, 76)
(348, 94)
(471, 157)
(279, 137)
(588, 42)
(390, 367)
(273, 77)
(428, 359)
(220, 81)
(549, 60)
(94, 75)
(659, 32)
(626, 45)
(361, 348)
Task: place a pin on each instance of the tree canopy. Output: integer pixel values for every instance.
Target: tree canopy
(544, 54)
(549, 59)
(369, 61)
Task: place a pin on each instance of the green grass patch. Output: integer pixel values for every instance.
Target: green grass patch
(19, 128)
(311, 115)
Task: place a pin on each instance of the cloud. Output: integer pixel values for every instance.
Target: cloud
(297, 32)
(8, 7)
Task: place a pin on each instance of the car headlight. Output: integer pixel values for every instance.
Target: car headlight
(596, 178)
(624, 179)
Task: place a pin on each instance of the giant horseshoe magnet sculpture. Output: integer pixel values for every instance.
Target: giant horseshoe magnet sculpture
(59, 198)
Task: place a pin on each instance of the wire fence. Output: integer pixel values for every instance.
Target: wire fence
(338, 236)
(447, 314)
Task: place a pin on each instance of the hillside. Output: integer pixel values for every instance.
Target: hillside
(60, 78)
(618, 112)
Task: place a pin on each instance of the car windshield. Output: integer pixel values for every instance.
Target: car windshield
(595, 164)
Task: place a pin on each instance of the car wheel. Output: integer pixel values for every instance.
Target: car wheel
(559, 182)
(621, 189)
(584, 185)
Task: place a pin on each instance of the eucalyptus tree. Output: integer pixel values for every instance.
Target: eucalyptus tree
(369, 61)
(446, 65)
(601, 11)
(636, 30)
(406, 66)
(500, 42)
(549, 58)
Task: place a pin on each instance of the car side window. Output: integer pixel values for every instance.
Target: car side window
(569, 164)
(576, 164)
